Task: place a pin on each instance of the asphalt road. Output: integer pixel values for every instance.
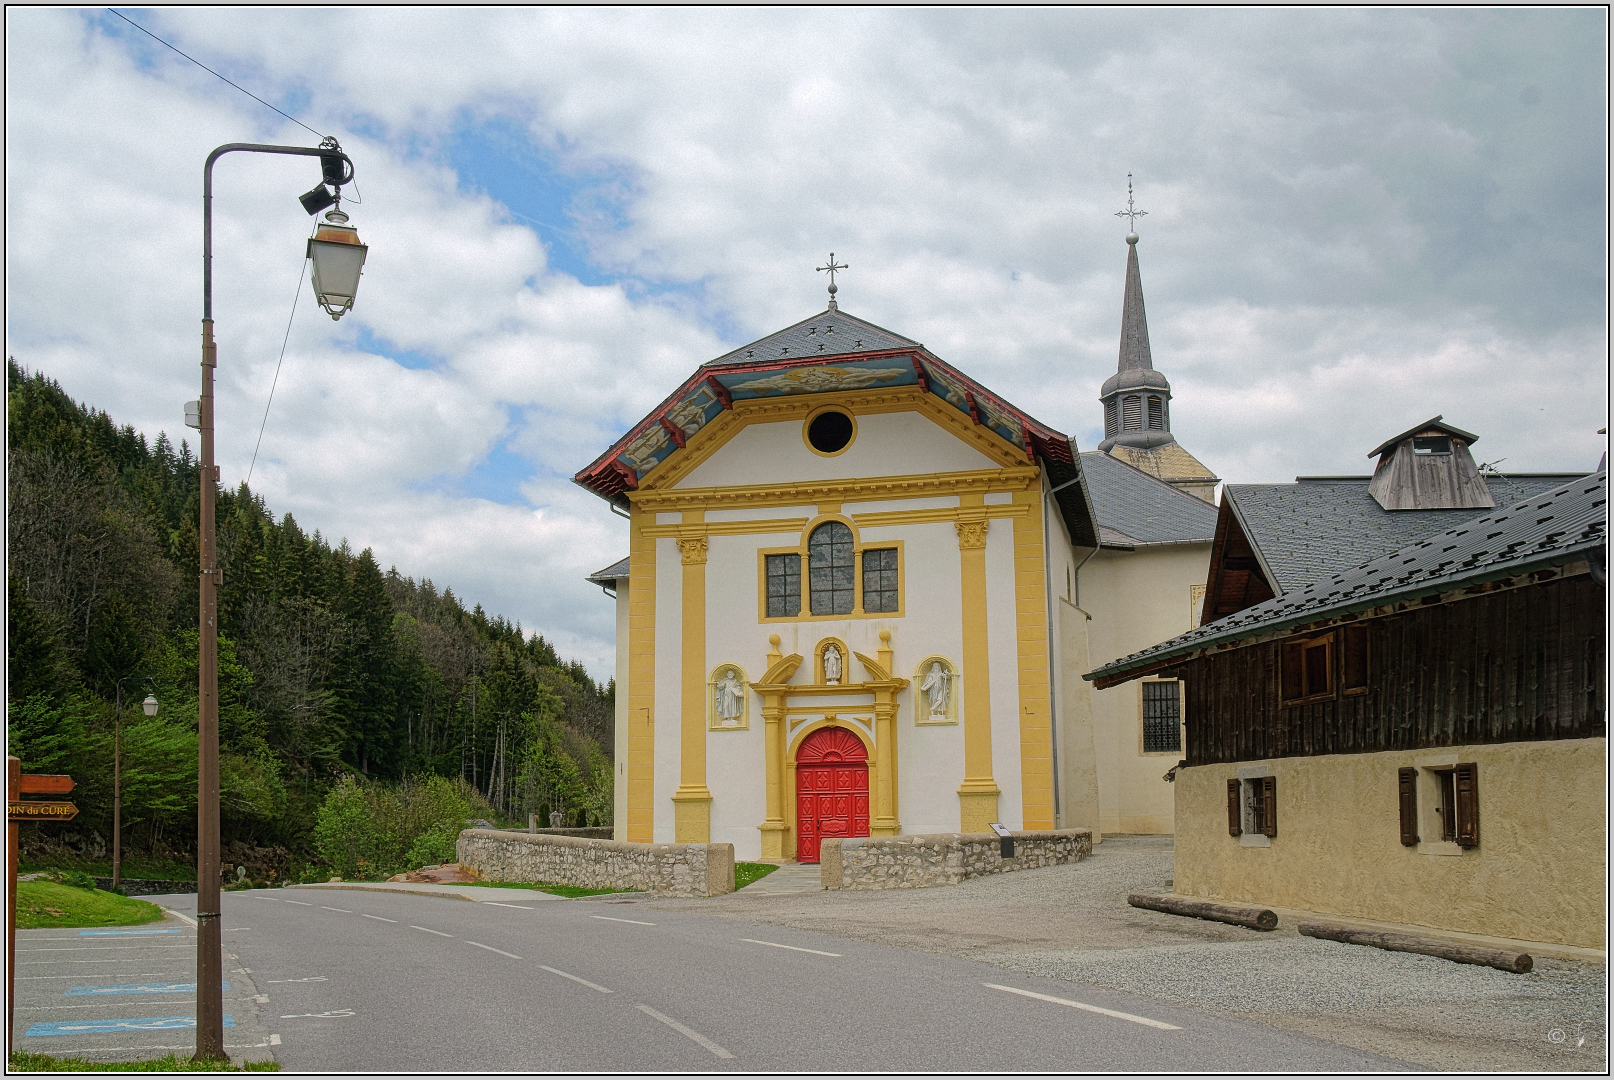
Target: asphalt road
(354, 980)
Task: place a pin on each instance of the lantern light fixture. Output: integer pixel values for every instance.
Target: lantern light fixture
(338, 257)
(150, 705)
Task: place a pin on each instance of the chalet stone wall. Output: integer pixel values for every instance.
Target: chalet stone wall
(667, 869)
(920, 861)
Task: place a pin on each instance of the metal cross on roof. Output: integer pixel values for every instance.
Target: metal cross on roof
(1130, 213)
(832, 267)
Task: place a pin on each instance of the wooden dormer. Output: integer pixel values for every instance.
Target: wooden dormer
(1429, 467)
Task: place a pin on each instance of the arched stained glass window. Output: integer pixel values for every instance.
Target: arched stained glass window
(831, 570)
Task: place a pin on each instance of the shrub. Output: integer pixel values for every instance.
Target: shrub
(78, 879)
(368, 831)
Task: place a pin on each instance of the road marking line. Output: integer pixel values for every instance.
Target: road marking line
(332, 1015)
(635, 922)
(107, 1027)
(261, 999)
(1144, 1020)
(106, 948)
(518, 907)
(312, 978)
(117, 933)
(136, 988)
(235, 929)
(575, 979)
(138, 975)
(299, 903)
(377, 918)
(792, 948)
(180, 915)
(692, 1036)
(343, 910)
(107, 1005)
(274, 1040)
(490, 948)
(439, 933)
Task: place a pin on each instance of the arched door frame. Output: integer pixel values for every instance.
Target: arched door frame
(796, 742)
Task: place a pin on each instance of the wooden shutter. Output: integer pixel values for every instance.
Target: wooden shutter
(1233, 808)
(1269, 805)
(1355, 661)
(1466, 779)
(1290, 666)
(1409, 806)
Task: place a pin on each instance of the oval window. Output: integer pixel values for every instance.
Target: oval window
(830, 432)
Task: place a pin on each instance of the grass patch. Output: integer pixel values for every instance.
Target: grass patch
(747, 872)
(46, 904)
(134, 866)
(569, 891)
(25, 1062)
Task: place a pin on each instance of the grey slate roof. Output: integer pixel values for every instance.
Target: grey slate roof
(1134, 508)
(1549, 528)
(828, 333)
(1304, 531)
(611, 573)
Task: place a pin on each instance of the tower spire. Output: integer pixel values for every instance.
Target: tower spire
(1136, 398)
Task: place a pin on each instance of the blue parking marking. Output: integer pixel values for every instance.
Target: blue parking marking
(107, 1027)
(123, 933)
(134, 988)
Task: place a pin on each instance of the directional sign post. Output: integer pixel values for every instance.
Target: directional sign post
(19, 809)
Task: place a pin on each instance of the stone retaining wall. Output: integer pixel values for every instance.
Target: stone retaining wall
(669, 869)
(590, 832)
(920, 861)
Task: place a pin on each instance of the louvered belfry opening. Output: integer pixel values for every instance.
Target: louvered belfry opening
(1132, 413)
(1157, 420)
(1110, 428)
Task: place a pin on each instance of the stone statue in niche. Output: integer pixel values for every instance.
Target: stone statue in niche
(937, 686)
(730, 699)
(832, 666)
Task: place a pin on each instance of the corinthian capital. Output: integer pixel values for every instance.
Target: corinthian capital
(971, 534)
(693, 550)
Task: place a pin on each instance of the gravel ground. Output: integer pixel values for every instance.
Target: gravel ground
(1073, 922)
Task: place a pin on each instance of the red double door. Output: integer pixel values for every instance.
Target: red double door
(832, 790)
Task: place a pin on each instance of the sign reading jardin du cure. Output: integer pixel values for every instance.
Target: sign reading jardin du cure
(39, 784)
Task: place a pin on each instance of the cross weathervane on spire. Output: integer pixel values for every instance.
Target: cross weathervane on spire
(1131, 213)
(832, 267)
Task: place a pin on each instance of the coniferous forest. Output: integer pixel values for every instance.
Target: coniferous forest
(334, 675)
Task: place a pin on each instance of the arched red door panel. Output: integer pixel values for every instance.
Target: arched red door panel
(832, 790)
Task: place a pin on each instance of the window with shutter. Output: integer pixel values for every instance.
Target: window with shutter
(1353, 673)
(1408, 781)
(1465, 781)
(1269, 805)
(1307, 669)
(1234, 814)
(1446, 784)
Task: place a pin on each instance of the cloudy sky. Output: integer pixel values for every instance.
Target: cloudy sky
(1356, 220)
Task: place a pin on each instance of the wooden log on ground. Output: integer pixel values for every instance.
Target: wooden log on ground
(1504, 959)
(1253, 917)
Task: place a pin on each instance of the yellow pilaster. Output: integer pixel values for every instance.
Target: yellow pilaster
(978, 795)
(692, 802)
(1031, 646)
(774, 828)
(641, 688)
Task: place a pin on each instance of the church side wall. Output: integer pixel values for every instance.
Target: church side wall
(1140, 598)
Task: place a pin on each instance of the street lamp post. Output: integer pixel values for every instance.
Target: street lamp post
(150, 708)
(336, 281)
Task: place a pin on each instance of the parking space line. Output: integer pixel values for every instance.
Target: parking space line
(106, 948)
(1144, 1020)
(377, 918)
(575, 979)
(117, 933)
(792, 948)
(439, 933)
(635, 922)
(692, 1036)
(490, 948)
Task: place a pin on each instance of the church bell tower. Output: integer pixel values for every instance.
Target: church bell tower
(1137, 398)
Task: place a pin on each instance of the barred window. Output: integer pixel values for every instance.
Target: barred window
(1161, 715)
(784, 585)
(830, 569)
(880, 579)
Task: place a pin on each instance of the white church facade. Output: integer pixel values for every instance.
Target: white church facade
(851, 604)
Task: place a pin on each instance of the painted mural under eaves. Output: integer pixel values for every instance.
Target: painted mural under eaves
(705, 400)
